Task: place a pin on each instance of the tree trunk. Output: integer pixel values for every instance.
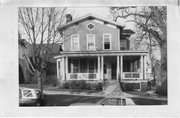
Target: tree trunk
(162, 75)
(40, 86)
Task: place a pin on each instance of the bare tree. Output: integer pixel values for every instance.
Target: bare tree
(151, 21)
(39, 25)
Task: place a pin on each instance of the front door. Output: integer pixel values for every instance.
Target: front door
(113, 70)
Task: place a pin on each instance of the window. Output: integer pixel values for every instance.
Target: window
(109, 101)
(75, 65)
(107, 41)
(75, 42)
(90, 26)
(105, 68)
(91, 66)
(90, 42)
(123, 44)
(27, 93)
(83, 65)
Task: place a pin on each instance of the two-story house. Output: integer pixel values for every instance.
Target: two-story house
(97, 49)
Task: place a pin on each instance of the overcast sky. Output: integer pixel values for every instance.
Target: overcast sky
(100, 11)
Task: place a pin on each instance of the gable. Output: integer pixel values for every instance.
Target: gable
(89, 17)
(96, 27)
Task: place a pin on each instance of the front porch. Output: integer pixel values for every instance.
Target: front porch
(102, 66)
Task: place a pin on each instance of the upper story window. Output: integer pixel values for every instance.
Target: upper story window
(75, 42)
(90, 26)
(90, 42)
(107, 41)
(123, 45)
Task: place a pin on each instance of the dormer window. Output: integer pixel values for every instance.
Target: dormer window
(90, 26)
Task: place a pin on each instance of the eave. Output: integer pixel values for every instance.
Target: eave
(100, 53)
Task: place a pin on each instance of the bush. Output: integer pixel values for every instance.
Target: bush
(66, 85)
(52, 80)
(82, 85)
(99, 86)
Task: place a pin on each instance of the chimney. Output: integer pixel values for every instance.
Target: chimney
(68, 18)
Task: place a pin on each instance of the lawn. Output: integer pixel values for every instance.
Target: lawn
(145, 101)
(66, 100)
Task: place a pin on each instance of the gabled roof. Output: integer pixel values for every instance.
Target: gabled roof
(89, 16)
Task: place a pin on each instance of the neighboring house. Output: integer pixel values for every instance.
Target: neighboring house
(96, 49)
(23, 71)
(25, 76)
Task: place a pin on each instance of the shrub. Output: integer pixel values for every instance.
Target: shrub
(66, 85)
(52, 80)
(82, 84)
(88, 86)
(93, 86)
(99, 86)
(72, 84)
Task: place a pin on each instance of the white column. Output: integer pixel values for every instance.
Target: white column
(117, 72)
(145, 67)
(99, 71)
(142, 77)
(57, 67)
(63, 72)
(121, 67)
(102, 67)
(66, 68)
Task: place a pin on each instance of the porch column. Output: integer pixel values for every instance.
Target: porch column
(117, 76)
(99, 72)
(58, 66)
(63, 72)
(66, 68)
(142, 77)
(102, 67)
(121, 67)
(144, 67)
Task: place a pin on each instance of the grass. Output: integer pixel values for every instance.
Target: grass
(66, 100)
(145, 101)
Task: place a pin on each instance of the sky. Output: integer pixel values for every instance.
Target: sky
(100, 11)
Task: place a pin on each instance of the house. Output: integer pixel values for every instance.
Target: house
(23, 70)
(96, 49)
(50, 72)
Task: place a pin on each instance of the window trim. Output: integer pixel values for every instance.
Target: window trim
(72, 42)
(104, 42)
(88, 41)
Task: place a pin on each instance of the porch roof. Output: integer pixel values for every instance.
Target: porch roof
(100, 53)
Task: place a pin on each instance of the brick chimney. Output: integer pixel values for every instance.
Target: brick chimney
(68, 18)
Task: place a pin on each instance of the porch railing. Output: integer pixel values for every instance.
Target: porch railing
(82, 76)
(132, 75)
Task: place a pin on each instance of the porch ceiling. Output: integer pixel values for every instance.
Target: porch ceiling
(101, 53)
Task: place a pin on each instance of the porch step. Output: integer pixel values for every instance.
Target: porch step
(113, 88)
